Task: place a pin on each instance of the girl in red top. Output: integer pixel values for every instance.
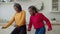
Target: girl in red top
(37, 20)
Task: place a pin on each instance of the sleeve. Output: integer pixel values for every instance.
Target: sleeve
(47, 21)
(10, 22)
(23, 16)
(30, 24)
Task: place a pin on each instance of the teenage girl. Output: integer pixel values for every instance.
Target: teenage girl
(37, 20)
(20, 19)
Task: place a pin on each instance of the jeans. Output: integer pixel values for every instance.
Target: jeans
(40, 30)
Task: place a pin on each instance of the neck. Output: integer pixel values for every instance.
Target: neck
(18, 11)
(34, 13)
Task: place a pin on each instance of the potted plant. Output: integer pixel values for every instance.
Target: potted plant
(53, 19)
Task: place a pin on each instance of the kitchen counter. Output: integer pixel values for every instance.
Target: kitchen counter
(55, 23)
(52, 22)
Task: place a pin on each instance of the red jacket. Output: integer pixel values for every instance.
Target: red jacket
(37, 21)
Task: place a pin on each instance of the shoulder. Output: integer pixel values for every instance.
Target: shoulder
(15, 13)
(23, 11)
(40, 13)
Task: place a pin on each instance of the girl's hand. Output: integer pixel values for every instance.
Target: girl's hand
(29, 29)
(3, 27)
(49, 29)
(16, 26)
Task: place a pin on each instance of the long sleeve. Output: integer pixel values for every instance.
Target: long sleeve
(30, 24)
(10, 22)
(47, 21)
(22, 19)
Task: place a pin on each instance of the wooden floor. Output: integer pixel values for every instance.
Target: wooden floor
(56, 30)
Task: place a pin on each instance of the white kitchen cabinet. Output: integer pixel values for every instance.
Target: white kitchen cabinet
(55, 6)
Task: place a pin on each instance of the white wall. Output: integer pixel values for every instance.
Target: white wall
(7, 11)
(48, 9)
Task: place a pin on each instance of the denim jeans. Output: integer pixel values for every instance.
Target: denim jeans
(40, 30)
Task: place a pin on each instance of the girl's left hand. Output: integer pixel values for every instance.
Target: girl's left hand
(15, 26)
(49, 29)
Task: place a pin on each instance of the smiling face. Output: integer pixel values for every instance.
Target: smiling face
(17, 7)
(31, 11)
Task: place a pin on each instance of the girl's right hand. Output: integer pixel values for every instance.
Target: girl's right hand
(15, 26)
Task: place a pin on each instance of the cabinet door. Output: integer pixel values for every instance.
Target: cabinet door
(55, 5)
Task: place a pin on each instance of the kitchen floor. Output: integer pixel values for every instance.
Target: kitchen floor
(56, 30)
